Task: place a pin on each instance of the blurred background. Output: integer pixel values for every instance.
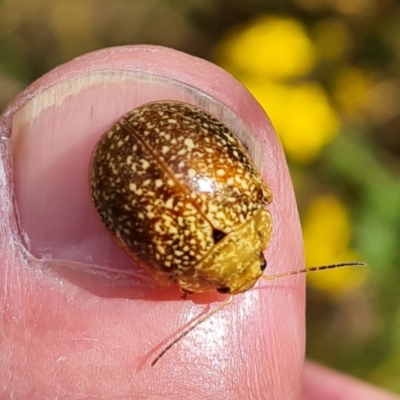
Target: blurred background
(328, 74)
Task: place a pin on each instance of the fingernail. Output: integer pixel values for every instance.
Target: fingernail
(51, 143)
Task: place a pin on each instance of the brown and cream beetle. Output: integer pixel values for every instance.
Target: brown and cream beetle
(180, 194)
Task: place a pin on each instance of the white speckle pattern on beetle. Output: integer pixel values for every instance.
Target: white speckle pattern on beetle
(179, 193)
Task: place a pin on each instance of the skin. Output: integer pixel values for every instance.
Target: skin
(70, 333)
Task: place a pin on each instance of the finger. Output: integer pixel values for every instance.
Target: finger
(95, 329)
(323, 383)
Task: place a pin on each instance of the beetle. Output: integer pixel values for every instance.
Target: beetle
(179, 193)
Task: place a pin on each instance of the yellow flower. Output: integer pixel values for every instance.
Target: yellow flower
(327, 234)
(274, 47)
(264, 56)
(301, 115)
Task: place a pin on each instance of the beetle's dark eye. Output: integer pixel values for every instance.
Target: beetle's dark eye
(218, 235)
(263, 264)
(223, 289)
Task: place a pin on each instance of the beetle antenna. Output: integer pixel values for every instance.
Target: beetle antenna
(191, 327)
(312, 269)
